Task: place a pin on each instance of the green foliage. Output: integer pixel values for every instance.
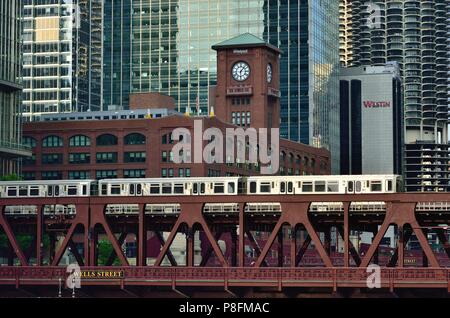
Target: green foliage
(11, 177)
(104, 251)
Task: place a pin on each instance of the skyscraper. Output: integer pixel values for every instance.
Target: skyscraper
(414, 34)
(10, 87)
(170, 52)
(62, 56)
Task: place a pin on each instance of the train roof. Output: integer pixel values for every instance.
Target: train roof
(45, 182)
(200, 179)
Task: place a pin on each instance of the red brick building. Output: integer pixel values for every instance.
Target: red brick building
(137, 142)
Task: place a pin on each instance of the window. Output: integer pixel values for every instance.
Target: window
(307, 187)
(102, 174)
(164, 173)
(29, 141)
(51, 175)
(79, 158)
(164, 156)
(171, 173)
(134, 173)
(376, 186)
(188, 172)
(79, 141)
(134, 139)
(52, 142)
(79, 175)
(135, 157)
(319, 186)
(106, 157)
(181, 172)
(29, 161)
(106, 140)
(53, 158)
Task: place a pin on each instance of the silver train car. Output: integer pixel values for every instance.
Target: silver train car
(169, 187)
(355, 184)
(54, 188)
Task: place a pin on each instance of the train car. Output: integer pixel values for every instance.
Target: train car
(54, 188)
(357, 184)
(169, 186)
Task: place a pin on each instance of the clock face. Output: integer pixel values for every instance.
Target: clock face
(269, 73)
(241, 71)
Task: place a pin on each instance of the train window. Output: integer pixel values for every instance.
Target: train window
(333, 186)
(358, 186)
(290, 187)
(389, 185)
(376, 186)
(219, 188)
(50, 191)
(231, 187)
(178, 188)
(84, 189)
(12, 192)
(307, 187)
(23, 191)
(56, 190)
(282, 187)
(132, 189)
(195, 188)
(202, 188)
(265, 187)
(115, 189)
(154, 189)
(139, 189)
(350, 186)
(253, 187)
(167, 188)
(319, 186)
(34, 191)
(72, 190)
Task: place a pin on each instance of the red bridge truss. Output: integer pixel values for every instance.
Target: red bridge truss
(232, 242)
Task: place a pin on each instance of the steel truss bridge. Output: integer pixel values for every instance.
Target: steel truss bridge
(79, 222)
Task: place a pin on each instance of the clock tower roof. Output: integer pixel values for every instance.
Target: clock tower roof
(244, 41)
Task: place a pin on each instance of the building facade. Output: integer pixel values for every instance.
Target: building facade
(62, 58)
(138, 142)
(414, 34)
(10, 88)
(372, 128)
(170, 52)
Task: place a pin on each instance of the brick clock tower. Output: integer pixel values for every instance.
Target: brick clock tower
(248, 82)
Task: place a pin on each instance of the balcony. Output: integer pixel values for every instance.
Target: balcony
(244, 90)
(13, 150)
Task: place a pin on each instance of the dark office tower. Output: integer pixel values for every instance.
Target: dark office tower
(414, 34)
(171, 53)
(62, 56)
(117, 54)
(11, 148)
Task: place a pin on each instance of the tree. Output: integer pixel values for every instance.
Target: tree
(11, 177)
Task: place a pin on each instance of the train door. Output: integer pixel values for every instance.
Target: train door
(286, 187)
(53, 190)
(354, 187)
(198, 188)
(135, 189)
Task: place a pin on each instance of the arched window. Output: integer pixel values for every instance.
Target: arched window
(291, 157)
(134, 139)
(282, 156)
(52, 142)
(29, 141)
(306, 162)
(313, 164)
(79, 141)
(299, 160)
(106, 140)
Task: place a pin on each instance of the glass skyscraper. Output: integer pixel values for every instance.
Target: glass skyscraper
(62, 56)
(165, 46)
(415, 35)
(10, 87)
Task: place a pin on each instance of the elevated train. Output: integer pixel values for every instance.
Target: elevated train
(258, 185)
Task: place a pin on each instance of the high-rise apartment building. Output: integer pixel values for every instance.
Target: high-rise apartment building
(414, 34)
(165, 46)
(10, 88)
(62, 56)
